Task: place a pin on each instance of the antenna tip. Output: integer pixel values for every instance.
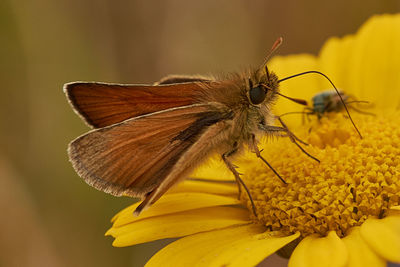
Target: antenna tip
(277, 43)
(302, 102)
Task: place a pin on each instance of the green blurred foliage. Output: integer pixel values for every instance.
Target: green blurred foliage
(45, 44)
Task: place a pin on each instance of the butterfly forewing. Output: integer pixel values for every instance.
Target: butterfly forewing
(101, 104)
(134, 157)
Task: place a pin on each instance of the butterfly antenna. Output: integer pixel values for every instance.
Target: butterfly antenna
(274, 47)
(296, 100)
(337, 91)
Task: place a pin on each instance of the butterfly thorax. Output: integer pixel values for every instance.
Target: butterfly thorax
(231, 95)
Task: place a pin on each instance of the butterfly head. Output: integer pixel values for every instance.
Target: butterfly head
(263, 87)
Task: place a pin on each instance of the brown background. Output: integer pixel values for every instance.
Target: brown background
(50, 217)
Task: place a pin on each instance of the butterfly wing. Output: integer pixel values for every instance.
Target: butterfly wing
(135, 156)
(104, 104)
(172, 79)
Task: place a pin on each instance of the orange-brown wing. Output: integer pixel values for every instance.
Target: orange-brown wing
(104, 104)
(133, 157)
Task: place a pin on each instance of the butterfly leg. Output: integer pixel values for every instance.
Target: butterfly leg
(285, 132)
(293, 138)
(281, 131)
(232, 167)
(257, 151)
(239, 180)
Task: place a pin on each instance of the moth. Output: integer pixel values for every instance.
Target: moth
(146, 138)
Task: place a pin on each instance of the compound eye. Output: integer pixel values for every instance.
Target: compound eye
(257, 95)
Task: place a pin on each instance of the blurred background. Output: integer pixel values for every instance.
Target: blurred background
(50, 216)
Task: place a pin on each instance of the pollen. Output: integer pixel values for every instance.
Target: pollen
(355, 179)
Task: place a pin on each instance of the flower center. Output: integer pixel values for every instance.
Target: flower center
(357, 178)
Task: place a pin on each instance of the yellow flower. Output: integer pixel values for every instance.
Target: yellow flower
(344, 211)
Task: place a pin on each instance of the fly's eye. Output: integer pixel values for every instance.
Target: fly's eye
(257, 95)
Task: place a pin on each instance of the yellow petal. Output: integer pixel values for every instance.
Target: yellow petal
(177, 224)
(213, 169)
(173, 203)
(225, 189)
(333, 59)
(359, 64)
(235, 246)
(315, 251)
(300, 87)
(393, 211)
(360, 254)
(376, 61)
(383, 236)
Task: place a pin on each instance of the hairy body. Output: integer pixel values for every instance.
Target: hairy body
(149, 137)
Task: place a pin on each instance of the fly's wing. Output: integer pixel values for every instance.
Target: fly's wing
(104, 104)
(134, 157)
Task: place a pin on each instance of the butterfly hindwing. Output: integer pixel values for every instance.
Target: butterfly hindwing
(135, 156)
